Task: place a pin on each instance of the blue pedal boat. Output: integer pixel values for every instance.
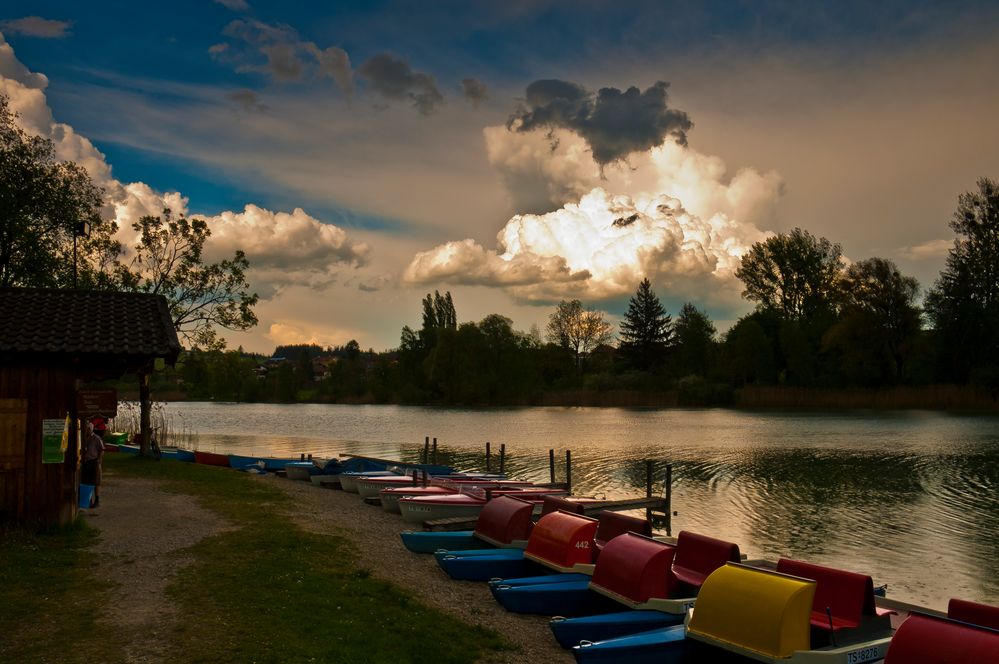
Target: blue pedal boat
(560, 541)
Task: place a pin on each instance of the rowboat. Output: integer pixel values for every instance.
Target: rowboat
(301, 470)
(390, 496)
(463, 540)
(348, 479)
(177, 453)
(463, 505)
(802, 613)
(211, 458)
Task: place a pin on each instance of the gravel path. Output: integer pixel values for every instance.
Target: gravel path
(139, 560)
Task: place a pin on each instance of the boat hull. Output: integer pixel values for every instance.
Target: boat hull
(211, 458)
(570, 632)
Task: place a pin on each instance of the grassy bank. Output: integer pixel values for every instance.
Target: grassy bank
(266, 591)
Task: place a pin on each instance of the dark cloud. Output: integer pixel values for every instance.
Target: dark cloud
(287, 56)
(393, 78)
(247, 100)
(474, 91)
(36, 26)
(613, 123)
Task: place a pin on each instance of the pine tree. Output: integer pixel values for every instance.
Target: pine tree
(647, 330)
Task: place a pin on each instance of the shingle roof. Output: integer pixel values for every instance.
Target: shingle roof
(86, 323)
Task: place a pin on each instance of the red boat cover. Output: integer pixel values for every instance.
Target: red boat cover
(554, 504)
(636, 568)
(561, 540)
(923, 638)
(612, 524)
(847, 595)
(974, 613)
(699, 555)
(504, 520)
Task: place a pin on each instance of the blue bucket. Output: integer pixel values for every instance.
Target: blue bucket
(86, 495)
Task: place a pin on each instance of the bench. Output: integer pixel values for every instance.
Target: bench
(612, 524)
(848, 596)
(699, 555)
(923, 638)
(974, 613)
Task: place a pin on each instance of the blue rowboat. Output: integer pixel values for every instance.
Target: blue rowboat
(604, 626)
(177, 453)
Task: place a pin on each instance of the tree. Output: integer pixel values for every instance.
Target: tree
(878, 323)
(646, 333)
(168, 261)
(43, 202)
(793, 273)
(964, 302)
(695, 334)
(577, 330)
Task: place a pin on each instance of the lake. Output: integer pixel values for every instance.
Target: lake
(911, 498)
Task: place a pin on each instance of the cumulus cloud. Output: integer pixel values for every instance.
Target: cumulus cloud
(36, 26)
(614, 124)
(394, 79)
(284, 249)
(671, 214)
(598, 249)
(474, 91)
(285, 55)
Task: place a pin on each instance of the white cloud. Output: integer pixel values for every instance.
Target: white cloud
(670, 214)
(283, 248)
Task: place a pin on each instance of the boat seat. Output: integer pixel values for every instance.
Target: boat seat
(504, 520)
(554, 504)
(561, 540)
(849, 596)
(613, 524)
(923, 638)
(974, 613)
(635, 568)
(699, 555)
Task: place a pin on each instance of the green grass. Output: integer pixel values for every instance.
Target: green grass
(266, 592)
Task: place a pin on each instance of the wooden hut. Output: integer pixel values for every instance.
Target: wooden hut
(52, 342)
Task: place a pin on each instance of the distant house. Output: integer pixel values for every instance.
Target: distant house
(51, 342)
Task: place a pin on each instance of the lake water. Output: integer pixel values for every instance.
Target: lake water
(911, 498)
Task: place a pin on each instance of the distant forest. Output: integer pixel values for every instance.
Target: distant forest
(818, 322)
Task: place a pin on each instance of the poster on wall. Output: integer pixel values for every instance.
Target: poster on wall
(54, 434)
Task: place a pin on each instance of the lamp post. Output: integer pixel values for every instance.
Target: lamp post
(80, 229)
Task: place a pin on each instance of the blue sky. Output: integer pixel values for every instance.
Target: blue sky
(861, 122)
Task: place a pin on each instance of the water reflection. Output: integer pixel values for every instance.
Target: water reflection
(911, 498)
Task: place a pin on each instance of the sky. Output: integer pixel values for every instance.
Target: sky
(514, 153)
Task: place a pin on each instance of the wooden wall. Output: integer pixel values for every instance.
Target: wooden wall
(33, 493)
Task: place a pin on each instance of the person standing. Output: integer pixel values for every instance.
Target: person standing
(93, 454)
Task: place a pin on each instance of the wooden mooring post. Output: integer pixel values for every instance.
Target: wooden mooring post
(551, 465)
(489, 458)
(668, 497)
(435, 452)
(568, 472)
(426, 449)
(502, 457)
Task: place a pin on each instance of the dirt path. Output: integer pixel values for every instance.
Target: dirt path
(141, 527)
